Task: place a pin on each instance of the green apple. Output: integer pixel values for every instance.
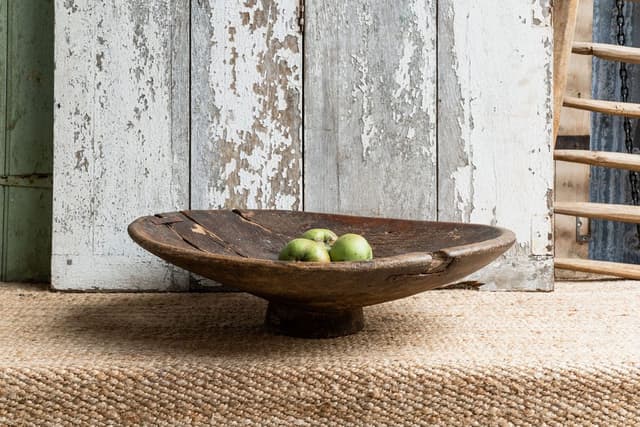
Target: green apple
(304, 250)
(351, 247)
(322, 235)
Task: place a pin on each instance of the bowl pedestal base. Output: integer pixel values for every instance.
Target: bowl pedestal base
(304, 322)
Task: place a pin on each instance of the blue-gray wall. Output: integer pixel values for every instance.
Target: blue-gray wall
(613, 241)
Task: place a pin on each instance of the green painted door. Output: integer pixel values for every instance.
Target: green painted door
(26, 144)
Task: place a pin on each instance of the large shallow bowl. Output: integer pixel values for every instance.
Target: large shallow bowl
(240, 248)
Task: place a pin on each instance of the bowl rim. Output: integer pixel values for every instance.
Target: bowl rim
(426, 260)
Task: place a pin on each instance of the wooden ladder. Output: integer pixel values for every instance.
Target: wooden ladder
(565, 14)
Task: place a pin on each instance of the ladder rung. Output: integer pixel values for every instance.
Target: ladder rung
(626, 271)
(622, 213)
(600, 158)
(610, 52)
(608, 107)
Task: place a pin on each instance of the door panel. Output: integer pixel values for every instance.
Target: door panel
(370, 107)
(26, 96)
(246, 104)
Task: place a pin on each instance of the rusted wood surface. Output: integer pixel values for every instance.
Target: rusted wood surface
(410, 256)
(246, 77)
(495, 103)
(121, 138)
(370, 107)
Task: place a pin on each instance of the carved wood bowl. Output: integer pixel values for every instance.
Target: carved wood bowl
(240, 248)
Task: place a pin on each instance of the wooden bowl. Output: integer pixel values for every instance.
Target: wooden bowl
(240, 248)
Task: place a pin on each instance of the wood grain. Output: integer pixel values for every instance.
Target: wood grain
(610, 52)
(599, 158)
(623, 213)
(626, 271)
(572, 185)
(26, 143)
(491, 87)
(575, 122)
(626, 109)
(246, 79)
(572, 179)
(370, 107)
(121, 131)
(564, 15)
(4, 11)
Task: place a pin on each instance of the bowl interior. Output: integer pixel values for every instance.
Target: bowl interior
(262, 234)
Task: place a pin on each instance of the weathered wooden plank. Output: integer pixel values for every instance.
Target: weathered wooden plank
(370, 107)
(613, 241)
(571, 185)
(600, 158)
(572, 180)
(246, 79)
(121, 131)
(565, 13)
(577, 122)
(626, 109)
(611, 52)
(27, 121)
(4, 30)
(30, 87)
(622, 213)
(28, 235)
(4, 11)
(616, 269)
(494, 129)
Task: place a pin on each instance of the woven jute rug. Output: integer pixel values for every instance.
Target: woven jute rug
(453, 357)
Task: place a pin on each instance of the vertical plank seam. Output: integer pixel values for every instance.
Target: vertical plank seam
(189, 109)
(191, 279)
(5, 191)
(437, 106)
(302, 30)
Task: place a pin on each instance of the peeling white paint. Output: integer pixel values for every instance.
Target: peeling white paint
(121, 138)
(509, 120)
(371, 100)
(402, 76)
(499, 160)
(370, 109)
(247, 109)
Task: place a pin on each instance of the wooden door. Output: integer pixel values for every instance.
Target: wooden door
(121, 138)
(370, 107)
(26, 140)
(414, 109)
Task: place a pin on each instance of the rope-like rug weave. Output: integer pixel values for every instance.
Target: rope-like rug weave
(455, 357)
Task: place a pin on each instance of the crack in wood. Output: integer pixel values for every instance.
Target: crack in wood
(168, 225)
(439, 263)
(216, 239)
(245, 217)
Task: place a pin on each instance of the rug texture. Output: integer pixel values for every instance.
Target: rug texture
(452, 357)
